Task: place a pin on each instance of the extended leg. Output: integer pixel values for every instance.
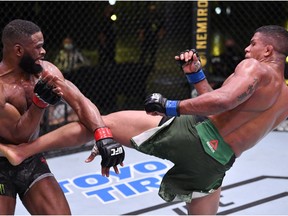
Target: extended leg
(69, 135)
(127, 124)
(124, 125)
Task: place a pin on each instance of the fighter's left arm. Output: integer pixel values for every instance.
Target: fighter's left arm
(87, 112)
(111, 151)
(237, 89)
(190, 64)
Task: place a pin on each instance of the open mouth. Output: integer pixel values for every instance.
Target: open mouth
(37, 61)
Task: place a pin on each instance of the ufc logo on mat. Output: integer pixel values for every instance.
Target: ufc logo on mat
(116, 151)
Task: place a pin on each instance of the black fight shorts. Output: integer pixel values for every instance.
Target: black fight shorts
(19, 179)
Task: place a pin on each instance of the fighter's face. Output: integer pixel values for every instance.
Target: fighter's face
(256, 49)
(33, 53)
(28, 64)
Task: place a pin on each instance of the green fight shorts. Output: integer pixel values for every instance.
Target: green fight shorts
(195, 172)
(19, 179)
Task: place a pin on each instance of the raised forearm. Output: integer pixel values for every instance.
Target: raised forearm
(190, 64)
(203, 87)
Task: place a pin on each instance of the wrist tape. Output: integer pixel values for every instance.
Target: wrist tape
(172, 107)
(102, 133)
(194, 78)
(39, 103)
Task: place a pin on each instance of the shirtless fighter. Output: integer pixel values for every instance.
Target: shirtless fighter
(202, 136)
(23, 100)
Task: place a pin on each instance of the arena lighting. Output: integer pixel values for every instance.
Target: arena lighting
(112, 2)
(216, 45)
(218, 10)
(113, 17)
(228, 10)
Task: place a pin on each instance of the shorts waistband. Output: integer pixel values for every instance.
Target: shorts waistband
(200, 118)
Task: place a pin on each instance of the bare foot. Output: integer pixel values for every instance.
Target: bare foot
(13, 153)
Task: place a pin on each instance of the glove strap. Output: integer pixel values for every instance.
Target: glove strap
(102, 133)
(194, 78)
(39, 103)
(172, 107)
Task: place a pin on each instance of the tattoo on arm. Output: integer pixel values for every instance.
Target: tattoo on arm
(249, 91)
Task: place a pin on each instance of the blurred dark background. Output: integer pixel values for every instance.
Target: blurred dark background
(129, 47)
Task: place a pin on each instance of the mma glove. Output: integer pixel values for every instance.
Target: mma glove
(112, 152)
(196, 76)
(156, 103)
(44, 95)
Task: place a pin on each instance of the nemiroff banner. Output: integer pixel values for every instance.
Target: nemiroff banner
(201, 33)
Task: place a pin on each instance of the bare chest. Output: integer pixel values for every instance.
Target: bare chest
(19, 95)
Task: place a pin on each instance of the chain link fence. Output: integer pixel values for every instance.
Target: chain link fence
(129, 48)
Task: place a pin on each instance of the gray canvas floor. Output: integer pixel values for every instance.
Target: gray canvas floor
(256, 184)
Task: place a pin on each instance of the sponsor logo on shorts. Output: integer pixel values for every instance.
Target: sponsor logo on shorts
(213, 145)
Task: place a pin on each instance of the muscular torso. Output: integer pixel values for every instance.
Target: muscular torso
(17, 91)
(243, 126)
(20, 120)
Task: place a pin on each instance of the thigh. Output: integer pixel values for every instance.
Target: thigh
(7, 205)
(207, 205)
(46, 197)
(127, 124)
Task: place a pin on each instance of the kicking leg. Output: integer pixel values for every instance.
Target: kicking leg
(70, 135)
(127, 124)
(124, 125)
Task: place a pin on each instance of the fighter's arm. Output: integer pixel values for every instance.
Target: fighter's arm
(191, 66)
(239, 88)
(86, 111)
(14, 125)
(111, 151)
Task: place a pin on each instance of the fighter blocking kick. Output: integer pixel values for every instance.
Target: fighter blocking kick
(202, 136)
(22, 104)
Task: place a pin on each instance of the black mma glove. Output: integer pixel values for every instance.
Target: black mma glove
(157, 103)
(44, 95)
(112, 152)
(181, 63)
(198, 75)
